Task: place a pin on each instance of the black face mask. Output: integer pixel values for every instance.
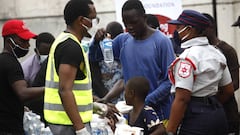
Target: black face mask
(176, 38)
(177, 43)
(18, 51)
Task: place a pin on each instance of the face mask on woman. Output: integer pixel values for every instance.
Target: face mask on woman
(176, 38)
(184, 37)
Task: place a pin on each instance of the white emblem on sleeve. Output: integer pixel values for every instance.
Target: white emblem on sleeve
(184, 70)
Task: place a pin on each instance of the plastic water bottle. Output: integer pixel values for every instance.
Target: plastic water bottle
(85, 44)
(103, 128)
(99, 128)
(107, 51)
(95, 129)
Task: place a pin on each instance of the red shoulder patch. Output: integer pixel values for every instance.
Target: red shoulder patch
(184, 70)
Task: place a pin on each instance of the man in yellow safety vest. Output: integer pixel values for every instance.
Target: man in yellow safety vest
(68, 94)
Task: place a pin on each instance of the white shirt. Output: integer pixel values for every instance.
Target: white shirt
(30, 68)
(204, 70)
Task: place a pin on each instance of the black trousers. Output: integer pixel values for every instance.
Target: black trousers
(204, 117)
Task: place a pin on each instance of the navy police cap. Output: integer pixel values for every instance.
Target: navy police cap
(192, 18)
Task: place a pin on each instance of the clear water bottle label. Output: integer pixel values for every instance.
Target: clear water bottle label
(96, 131)
(107, 50)
(99, 131)
(99, 128)
(108, 55)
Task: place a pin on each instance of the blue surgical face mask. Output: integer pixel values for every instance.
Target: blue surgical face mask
(17, 50)
(40, 57)
(43, 58)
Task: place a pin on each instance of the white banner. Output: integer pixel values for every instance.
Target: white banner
(164, 9)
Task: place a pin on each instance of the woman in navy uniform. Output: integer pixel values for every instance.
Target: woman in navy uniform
(196, 76)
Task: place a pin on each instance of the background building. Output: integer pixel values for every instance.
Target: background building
(47, 16)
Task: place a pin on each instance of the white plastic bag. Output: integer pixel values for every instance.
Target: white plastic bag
(128, 130)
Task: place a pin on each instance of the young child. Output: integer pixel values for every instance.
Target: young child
(141, 115)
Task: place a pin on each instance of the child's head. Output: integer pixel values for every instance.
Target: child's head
(136, 88)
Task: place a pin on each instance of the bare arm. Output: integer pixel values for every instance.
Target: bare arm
(225, 92)
(67, 74)
(117, 89)
(182, 97)
(159, 130)
(235, 78)
(24, 93)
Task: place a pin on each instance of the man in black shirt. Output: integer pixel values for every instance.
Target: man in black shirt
(13, 87)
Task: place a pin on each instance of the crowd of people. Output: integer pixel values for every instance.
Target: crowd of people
(176, 86)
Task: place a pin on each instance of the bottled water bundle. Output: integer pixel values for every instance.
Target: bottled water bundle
(33, 126)
(99, 129)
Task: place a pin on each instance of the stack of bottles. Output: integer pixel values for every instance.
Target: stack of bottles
(99, 128)
(100, 125)
(33, 126)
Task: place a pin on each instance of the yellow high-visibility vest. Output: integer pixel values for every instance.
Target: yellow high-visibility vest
(82, 89)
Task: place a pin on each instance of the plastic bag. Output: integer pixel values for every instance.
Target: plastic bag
(33, 125)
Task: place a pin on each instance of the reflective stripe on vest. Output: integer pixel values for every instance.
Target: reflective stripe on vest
(82, 89)
(51, 84)
(59, 107)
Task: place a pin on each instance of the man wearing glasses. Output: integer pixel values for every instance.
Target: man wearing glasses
(68, 94)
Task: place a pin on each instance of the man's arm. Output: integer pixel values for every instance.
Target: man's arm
(159, 130)
(67, 74)
(116, 90)
(226, 89)
(24, 93)
(166, 57)
(225, 92)
(233, 64)
(95, 52)
(15, 77)
(235, 78)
